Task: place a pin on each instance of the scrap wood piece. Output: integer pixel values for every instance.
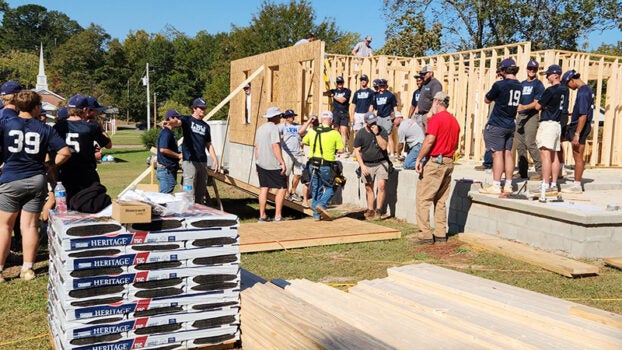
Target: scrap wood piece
(614, 262)
(549, 261)
(604, 317)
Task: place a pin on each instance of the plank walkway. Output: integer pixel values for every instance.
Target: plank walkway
(418, 306)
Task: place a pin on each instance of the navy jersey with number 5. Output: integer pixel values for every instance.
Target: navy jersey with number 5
(25, 143)
(506, 93)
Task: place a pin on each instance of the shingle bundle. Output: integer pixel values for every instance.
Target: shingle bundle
(174, 282)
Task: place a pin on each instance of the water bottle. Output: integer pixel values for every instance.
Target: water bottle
(60, 195)
(188, 195)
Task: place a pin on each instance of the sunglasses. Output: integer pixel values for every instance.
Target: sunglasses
(532, 68)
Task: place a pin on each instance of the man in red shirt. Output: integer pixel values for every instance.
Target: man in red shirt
(440, 143)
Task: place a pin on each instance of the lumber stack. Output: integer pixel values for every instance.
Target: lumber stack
(172, 282)
(419, 306)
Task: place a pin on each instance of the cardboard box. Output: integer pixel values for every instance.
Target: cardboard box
(131, 212)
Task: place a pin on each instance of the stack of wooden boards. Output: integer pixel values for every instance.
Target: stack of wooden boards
(419, 306)
(173, 282)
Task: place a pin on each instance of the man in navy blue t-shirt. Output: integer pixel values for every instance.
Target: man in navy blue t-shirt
(499, 132)
(580, 125)
(80, 171)
(362, 102)
(197, 138)
(341, 108)
(168, 155)
(385, 105)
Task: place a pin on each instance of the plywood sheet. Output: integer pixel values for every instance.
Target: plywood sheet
(255, 237)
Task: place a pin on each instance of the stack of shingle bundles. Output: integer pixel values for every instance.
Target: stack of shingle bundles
(173, 282)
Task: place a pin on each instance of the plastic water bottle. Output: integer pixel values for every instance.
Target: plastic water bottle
(60, 195)
(188, 195)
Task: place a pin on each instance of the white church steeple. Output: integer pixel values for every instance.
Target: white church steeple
(42, 79)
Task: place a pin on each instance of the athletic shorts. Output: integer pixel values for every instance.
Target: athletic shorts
(26, 194)
(386, 123)
(376, 170)
(548, 135)
(271, 178)
(359, 121)
(293, 164)
(563, 121)
(497, 138)
(341, 118)
(584, 133)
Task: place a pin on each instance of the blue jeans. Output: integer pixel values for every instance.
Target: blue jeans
(321, 189)
(411, 157)
(167, 178)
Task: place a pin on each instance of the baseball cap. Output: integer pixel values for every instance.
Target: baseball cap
(398, 114)
(508, 62)
(368, 37)
(199, 102)
(569, 75)
(247, 86)
(326, 114)
(170, 114)
(78, 101)
(533, 64)
(370, 118)
(273, 112)
(553, 69)
(10, 87)
(339, 79)
(382, 82)
(289, 113)
(93, 104)
(441, 96)
(426, 69)
(62, 113)
(364, 77)
(420, 76)
(375, 82)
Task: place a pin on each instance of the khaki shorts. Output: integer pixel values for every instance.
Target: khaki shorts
(548, 136)
(293, 164)
(376, 170)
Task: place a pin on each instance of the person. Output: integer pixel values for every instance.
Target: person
(429, 88)
(362, 102)
(563, 120)
(270, 164)
(8, 91)
(167, 155)
(323, 142)
(247, 101)
(80, 171)
(309, 38)
(499, 131)
(440, 143)
(370, 148)
(62, 113)
(23, 182)
(363, 48)
(527, 123)
(291, 141)
(410, 136)
(487, 161)
(94, 109)
(415, 100)
(197, 138)
(385, 105)
(341, 106)
(549, 130)
(580, 125)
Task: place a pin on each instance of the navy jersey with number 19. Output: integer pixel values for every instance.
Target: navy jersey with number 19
(506, 93)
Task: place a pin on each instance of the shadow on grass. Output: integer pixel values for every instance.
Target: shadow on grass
(248, 208)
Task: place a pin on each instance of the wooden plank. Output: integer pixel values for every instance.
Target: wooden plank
(523, 305)
(255, 237)
(549, 261)
(614, 262)
(604, 317)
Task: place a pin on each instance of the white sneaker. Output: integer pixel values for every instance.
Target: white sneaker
(576, 189)
(490, 189)
(507, 189)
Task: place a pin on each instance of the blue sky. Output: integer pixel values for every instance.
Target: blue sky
(119, 17)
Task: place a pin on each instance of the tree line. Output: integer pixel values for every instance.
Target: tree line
(89, 61)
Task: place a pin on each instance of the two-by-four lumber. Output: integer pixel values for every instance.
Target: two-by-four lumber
(549, 261)
(285, 314)
(526, 306)
(400, 331)
(614, 262)
(604, 317)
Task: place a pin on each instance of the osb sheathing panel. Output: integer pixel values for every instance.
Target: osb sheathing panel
(291, 79)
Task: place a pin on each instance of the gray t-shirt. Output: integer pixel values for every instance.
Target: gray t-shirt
(410, 132)
(291, 139)
(362, 50)
(427, 94)
(267, 135)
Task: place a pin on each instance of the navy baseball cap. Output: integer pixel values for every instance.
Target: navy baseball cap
(62, 113)
(93, 104)
(199, 102)
(339, 79)
(171, 113)
(78, 101)
(508, 62)
(289, 113)
(382, 82)
(10, 87)
(569, 75)
(376, 82)
(553, 69)
(533, 64)
(364, 77)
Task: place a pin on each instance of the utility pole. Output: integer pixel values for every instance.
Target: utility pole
(155, 109)
(148, 100)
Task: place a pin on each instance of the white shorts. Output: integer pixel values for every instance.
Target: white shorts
(293, 164)
(548, 136)
(359, 121)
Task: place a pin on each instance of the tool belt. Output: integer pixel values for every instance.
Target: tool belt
(319, 162)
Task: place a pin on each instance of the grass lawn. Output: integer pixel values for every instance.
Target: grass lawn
(23, 324)
(127, 137)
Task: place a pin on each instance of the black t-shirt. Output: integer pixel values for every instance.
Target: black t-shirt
(370, 151)
(196, 137)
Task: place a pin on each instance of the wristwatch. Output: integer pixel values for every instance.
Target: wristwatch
(577, 134)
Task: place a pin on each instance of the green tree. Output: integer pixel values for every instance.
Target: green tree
(410, 36)
(19, 66)
(610, 49)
